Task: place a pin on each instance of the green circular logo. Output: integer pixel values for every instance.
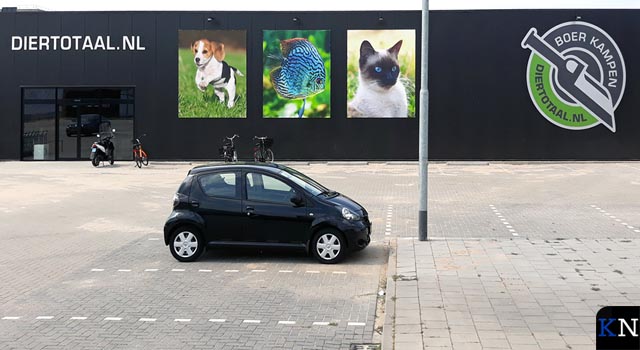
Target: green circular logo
(575, 75)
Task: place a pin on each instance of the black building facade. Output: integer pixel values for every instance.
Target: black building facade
(495, 92)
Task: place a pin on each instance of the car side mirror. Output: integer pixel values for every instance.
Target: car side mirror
(297, 200)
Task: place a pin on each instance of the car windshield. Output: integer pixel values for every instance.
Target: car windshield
(304, 181)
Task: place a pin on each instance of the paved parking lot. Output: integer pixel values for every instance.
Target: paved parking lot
(84, 264)
(87, 268)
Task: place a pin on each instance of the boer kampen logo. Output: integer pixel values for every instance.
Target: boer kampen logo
(575, 75)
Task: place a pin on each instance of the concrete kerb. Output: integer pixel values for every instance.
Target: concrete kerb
(388, 330)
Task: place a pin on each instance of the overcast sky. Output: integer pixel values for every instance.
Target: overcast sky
(302, 5)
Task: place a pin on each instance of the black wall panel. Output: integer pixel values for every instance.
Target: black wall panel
(479, 103)
(480, 106)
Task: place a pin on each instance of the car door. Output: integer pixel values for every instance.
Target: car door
(217, 198)
(272, 217)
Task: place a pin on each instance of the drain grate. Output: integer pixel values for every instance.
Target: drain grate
(368, 346)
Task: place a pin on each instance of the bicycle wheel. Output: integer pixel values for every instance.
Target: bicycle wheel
(235, 156)
(269, 156)
(144, 158)
(138, 160)
(256, 156)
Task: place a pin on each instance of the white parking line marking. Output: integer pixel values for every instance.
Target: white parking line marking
(231, 270)
(124, 270)
(177, 270)
(217, 320)
(78, 318)
(11, 318)
(151, 270)
(113, 318)
(204, 270)
(320, 323)
(251, 321)
(44, 318)
(285, 271)
(97, 270)
(355, 323)
(340, 272)
(387, 233)
(182, 320)
(286, 322)
(154, 239)
(593, 206)
(515, 234)
(312, 272)
(258, 270)
(636, 230)
(147, 320)
(505, 223)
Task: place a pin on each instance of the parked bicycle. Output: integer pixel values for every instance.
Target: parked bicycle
(139, 155)
(262, 152)
(228, 149)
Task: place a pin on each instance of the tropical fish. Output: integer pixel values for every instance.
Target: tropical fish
(301, 73)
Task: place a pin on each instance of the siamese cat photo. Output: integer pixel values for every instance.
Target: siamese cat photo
(380, 94)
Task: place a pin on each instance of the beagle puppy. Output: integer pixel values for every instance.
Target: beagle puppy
(213, 70)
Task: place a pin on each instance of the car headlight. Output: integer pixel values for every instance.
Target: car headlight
(349, 215)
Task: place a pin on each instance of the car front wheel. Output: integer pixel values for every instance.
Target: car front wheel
(186, 244)
(329, 246)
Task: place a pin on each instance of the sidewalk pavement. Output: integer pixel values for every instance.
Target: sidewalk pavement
(506, 293)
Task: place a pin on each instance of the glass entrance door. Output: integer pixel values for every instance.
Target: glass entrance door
(62, 123)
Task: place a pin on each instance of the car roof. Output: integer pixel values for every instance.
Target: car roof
(270, 167)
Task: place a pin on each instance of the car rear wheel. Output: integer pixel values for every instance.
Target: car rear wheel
(328, 246)
(186, 244)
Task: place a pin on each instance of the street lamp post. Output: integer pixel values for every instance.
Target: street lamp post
(424, 125)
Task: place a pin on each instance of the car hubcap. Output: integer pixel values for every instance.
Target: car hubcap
(185, 244)
(328, 246)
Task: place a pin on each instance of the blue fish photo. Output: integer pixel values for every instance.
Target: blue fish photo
(212, 65)
(296, 76)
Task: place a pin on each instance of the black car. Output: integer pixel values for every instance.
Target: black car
(90, 125)
(263, 205)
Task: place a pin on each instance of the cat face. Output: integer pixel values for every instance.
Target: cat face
(379, 67)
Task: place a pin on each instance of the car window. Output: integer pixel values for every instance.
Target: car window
(265, 188)
(219, 185)
(303, 181)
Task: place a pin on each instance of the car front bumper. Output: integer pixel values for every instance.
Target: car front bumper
(358, 235)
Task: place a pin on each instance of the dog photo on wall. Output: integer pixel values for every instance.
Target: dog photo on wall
(212, 65)
(381, 69)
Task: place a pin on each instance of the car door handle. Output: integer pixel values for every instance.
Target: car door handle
(195, 203)
(249, 210)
